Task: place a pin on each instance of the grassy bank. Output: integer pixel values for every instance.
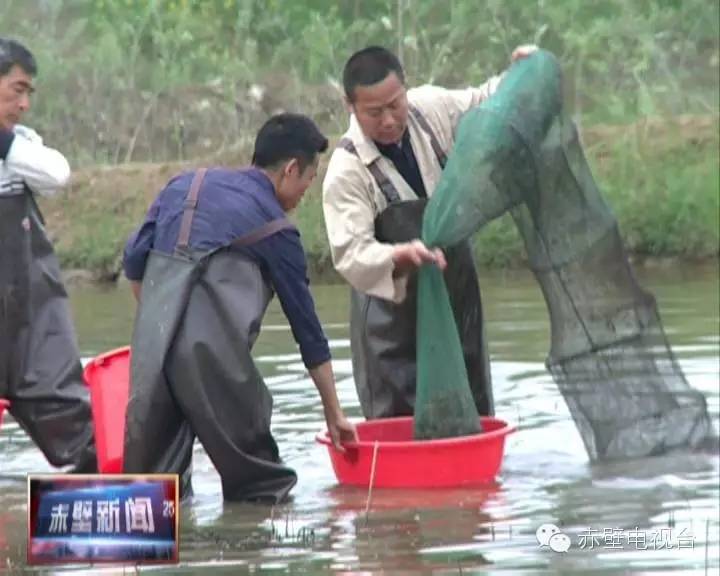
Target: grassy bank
(660, 177)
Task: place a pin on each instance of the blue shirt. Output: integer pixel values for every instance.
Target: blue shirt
(231, 204)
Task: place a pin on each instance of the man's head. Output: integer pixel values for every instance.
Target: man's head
(17, 69)
(287, 148)
(374, 84)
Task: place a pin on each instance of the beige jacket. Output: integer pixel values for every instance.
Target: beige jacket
(352, 199)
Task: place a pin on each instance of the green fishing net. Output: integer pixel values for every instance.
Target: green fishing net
(520, 152)
(444, 405)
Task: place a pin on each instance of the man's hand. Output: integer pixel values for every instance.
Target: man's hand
(523, 51)
(341, 430)
(414, 254)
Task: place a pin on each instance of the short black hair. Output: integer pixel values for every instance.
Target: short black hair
(370, 66)
(287, 136)
(12, 53)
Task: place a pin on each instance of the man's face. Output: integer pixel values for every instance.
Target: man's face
(294, 183)
(15, 89)
(382, 109)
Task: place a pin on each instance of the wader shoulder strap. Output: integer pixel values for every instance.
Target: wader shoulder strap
(263, 232)
(386, 187)
(434, 142)
(189, 210)
(383, 182)
(34, 205)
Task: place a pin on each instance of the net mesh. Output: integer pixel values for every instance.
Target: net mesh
(444, 406)
(519, 152)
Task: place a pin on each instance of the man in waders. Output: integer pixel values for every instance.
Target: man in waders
(40, 370)
(374, 194)
(214, 247)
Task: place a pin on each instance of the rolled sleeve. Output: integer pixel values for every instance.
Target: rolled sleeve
(284, 260)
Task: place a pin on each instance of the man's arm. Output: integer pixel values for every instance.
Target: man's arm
(443, 108)
(373, 267)
(137, 250)
(43, 169)
(340, 429)
(283, 259)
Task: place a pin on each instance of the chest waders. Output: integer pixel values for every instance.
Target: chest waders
(192, 372)
(383, 333)
(40, 370)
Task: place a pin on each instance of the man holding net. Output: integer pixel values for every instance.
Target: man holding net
(375, 190)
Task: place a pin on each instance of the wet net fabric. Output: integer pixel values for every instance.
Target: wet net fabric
(444, 405)
(609, 356)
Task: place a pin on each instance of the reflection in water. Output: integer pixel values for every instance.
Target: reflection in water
(412, 530)
(546, 476)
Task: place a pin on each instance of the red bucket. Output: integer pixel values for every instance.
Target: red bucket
(401, 462)
(4, 405)
(108, 377)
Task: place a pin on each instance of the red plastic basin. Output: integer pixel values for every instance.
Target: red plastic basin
(401, 462)
(108, 377)
(4, 405)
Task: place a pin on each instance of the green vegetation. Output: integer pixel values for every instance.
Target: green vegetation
(661, 180)
(158, 80)
(164, 81)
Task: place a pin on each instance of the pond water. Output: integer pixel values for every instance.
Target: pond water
(658, 515)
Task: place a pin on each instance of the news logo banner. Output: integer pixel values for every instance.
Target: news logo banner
(98, 518)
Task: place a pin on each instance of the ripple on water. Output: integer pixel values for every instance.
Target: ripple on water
(546, 476)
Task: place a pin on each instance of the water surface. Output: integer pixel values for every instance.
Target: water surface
(658, 515)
